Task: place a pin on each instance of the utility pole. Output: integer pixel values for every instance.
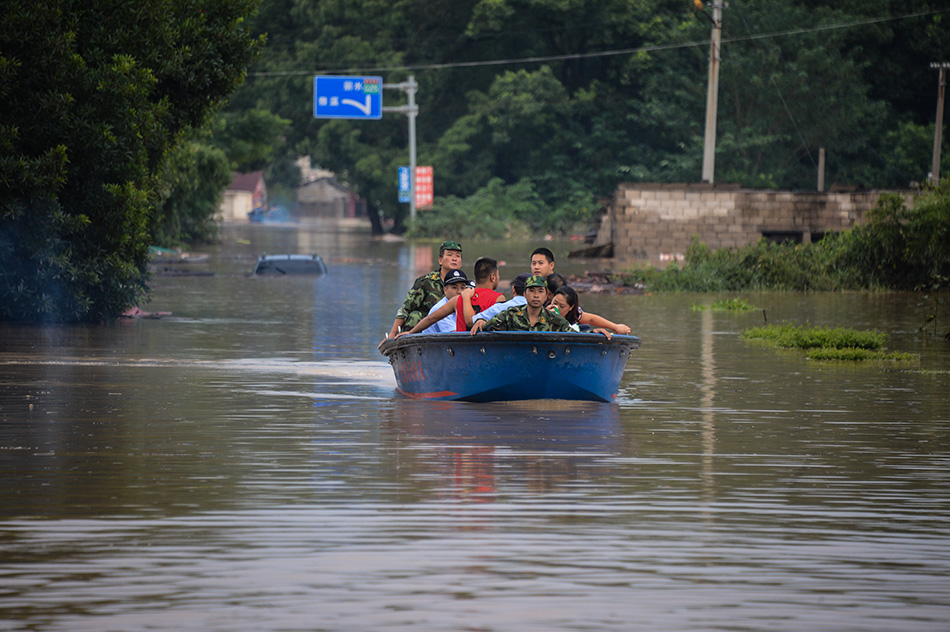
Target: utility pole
(410, 110)
(938, 128)
(712, 94)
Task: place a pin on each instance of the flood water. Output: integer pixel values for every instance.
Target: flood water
(244, 464)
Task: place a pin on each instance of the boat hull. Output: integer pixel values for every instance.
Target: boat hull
(508, 365)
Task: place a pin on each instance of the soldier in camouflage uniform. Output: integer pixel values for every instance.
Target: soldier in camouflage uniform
(530, 317)
(427, 289)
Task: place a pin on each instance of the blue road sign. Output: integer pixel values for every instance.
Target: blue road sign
(404, 184)
(348, 97)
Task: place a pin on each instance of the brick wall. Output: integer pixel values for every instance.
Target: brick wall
(657, 221)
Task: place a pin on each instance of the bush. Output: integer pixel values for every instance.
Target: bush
(500, 211)
(489, 213)
(760, 266)
(901, 248)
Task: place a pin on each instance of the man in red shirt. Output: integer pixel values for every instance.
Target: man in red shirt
(486, 294)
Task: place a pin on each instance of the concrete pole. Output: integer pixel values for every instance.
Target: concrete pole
(821, 169)
(712, 95)
(410, 110)
(411, 88)
(938, 128)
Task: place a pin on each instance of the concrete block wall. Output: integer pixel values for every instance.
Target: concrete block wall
(649, 221)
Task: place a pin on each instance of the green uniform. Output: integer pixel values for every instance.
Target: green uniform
(516, 319)
(425, 292)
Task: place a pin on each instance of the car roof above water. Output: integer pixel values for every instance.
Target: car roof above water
(290, 264)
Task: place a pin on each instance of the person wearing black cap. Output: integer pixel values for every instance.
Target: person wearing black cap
(455, 283)
(426, 290)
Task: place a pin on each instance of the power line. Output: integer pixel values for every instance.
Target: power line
(778, 92)
(606, 53)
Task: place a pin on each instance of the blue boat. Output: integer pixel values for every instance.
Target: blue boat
(509, 365)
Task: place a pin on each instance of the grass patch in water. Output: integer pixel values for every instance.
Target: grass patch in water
(829, 343)
(799, 337)
(857, 355)
(726, 305)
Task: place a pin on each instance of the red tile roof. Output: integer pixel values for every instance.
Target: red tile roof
(246, 181)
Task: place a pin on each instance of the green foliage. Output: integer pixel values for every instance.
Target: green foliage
(251, 139)
(283, 178)
(499, 211)
(907, 153)
(92, 97)
(829, 343)
(493, 212)
(904, 248)
(196, 176)
(760, 266)
(858, 355)
(254, 140)
(799, 337)
(781, 117)
(726, 305)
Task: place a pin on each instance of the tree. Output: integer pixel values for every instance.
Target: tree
(196, 175)
(256, 139)
(93, 96)
(251, 139)
(783, 98)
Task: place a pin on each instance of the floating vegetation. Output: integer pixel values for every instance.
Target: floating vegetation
(795, 336)
(726, 305)
(829, 343)
(857, 355)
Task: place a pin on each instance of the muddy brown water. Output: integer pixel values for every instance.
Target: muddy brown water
(244, 464)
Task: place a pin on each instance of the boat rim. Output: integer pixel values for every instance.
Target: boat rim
(487, 337)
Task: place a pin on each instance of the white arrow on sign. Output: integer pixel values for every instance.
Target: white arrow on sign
(362, 108)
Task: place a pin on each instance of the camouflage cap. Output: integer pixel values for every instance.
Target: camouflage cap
(536, 281)
(449, 245)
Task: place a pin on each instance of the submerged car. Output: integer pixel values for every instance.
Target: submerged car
(290, 264)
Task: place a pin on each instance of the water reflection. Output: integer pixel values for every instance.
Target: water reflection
(539, 425)
(460, 447)
(707, 401)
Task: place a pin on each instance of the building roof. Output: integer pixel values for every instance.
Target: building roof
(328, 180)
(246, 181)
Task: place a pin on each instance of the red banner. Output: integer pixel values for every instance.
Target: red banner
(424, 189)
